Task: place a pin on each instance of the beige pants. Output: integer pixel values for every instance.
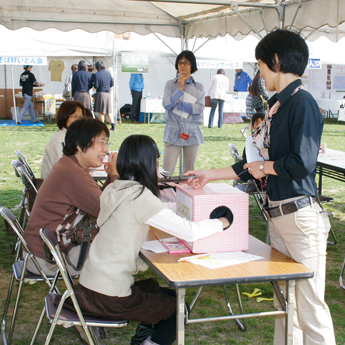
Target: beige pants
(172, 152)
(302, 235)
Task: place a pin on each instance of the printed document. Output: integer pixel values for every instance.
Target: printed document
(185, 98)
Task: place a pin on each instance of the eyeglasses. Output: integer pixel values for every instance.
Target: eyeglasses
(76, 116)
(185, 63)
(104, 143)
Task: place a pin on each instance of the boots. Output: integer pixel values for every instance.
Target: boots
(144, 331)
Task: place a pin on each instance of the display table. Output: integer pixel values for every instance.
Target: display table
(39, 105)
(331, 106)
(152, 108)
(234, 110)
(273, 267)
(331, 164)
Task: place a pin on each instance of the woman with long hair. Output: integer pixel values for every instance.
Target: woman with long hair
(131, 204)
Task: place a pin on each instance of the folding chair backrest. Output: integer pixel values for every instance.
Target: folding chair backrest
(51, 242)
(31, 185)
(237, 157)
(11, 220)
(26, 163)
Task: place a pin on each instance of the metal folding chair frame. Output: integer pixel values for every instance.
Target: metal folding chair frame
(60, 315)
(251, 188)
(27, 180)
(25, 163)
(20, 273)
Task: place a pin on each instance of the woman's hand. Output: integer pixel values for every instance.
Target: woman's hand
(225, 222)
(181, 81)
(110, 166)
(254, 168)
(201, 178)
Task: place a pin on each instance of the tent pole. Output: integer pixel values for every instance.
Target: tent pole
(6, 100)
(281, 14)
(234, 7)
(14, 99)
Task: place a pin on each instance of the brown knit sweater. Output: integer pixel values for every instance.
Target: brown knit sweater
(66, 194)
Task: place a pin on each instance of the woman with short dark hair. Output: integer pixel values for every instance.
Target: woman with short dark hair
(289, 141)
(81, 84)
(68, 112)
(69, 192)
(103, 81)
(184, 102)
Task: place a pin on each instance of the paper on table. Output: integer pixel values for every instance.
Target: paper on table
(219, 260)
(156, 246)
(186, 98)
(252, 152)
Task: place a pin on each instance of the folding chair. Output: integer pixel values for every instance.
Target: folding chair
(321, 199)
(63, 316)
(341, 275)
(25, 163)
(20, 273)
(30, 191)
(250, 187)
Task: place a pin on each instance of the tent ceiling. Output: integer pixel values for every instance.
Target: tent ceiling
(192, 18)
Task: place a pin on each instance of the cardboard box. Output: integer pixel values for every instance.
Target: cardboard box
(197, 204)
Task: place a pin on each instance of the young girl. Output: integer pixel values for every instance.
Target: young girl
(128, 207)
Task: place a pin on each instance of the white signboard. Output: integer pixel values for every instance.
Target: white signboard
(134, 62)
(216, 64)
(23, 60)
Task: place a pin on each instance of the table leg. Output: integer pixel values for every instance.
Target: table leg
(320, 181)
(290, 303)
(180, 309)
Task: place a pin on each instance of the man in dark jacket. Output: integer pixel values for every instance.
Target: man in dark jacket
(28, 81)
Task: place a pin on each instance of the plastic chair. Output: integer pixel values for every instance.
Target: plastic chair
(25, 163)
(20, 273)
(63, 316)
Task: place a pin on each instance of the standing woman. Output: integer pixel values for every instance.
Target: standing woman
(219, 88)
(184, 103)
(289, 140)
(81, 84)
(103, 81)
(69, 111)
(256, 96)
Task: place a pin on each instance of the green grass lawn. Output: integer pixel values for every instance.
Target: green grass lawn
(213, 154)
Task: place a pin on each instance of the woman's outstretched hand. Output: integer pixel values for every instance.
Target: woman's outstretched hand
(199, 181)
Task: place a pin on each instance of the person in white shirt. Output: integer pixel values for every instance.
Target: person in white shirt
(218, 90)
(68, 83)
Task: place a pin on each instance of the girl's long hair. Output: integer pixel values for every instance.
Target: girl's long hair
(137, 160)
(254, 86)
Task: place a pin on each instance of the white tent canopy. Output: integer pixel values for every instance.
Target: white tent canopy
(180, 18)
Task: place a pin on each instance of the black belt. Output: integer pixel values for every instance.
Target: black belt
(290, 207)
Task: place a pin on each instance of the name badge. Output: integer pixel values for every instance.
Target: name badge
(184, 136)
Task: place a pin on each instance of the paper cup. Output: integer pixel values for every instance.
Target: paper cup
(323, 148)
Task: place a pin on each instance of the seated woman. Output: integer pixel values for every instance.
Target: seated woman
(69, 192)
(128, 207)
(69, 111)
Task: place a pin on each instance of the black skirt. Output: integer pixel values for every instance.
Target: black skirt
(146, 303)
